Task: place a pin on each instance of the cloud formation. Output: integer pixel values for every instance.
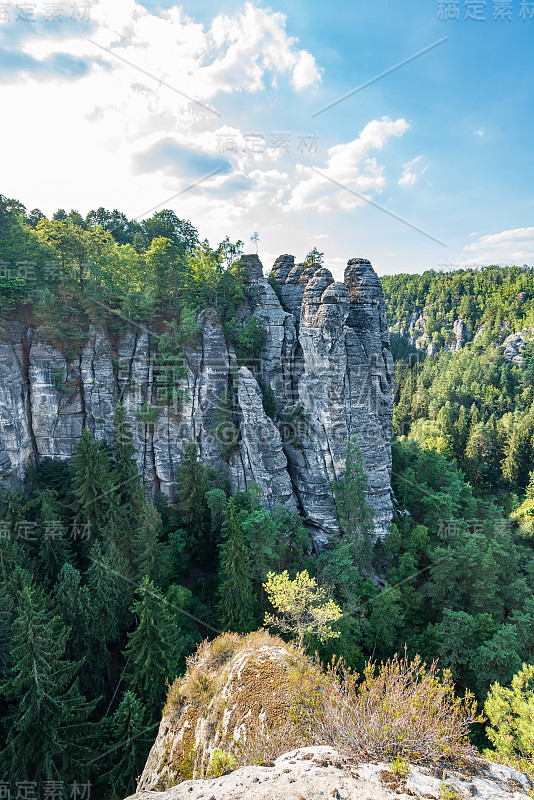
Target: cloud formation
(350, 165)
(513, 247)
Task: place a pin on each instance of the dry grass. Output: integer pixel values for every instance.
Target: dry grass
(267, 703)
(262, 744)
(398, 708)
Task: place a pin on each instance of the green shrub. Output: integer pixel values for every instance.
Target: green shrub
(400, 766)
(511, 715)
(58, 378)
(271, 280)
(220, 763)
(247, 339)
(269, 402)
(148, 414)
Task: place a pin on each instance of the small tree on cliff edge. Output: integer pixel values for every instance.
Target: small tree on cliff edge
(302, 606)
(314, 258)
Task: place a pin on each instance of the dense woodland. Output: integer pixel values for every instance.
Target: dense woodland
(105, 591)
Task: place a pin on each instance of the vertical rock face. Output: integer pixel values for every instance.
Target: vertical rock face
(343, 382)
(325, 357)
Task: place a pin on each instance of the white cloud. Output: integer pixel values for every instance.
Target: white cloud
(480, 132)
(305, 72)
(409, 175)
(515, 246)
(348, 164)
(99, 130)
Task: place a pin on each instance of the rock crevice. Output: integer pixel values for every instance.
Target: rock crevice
(325, 357)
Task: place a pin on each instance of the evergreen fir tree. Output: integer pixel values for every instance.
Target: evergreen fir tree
(54, 546)
(48, 734)
(235, 585)
(92, 482)
(126, 473)
(152, 557)
(192, 502)
(110, 586)
(261, 534)
(350, 557)
(6, 621)
(511, 464)
(14, 510)
(128, 746)
(72, 601)
(152, 646)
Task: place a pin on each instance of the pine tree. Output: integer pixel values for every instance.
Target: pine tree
(294, 543)
(72, 601)
(14, 510)
(128, 746)
(11, 556)
(110, 585)
(261, 534)
(474, 453)
(126, 473)
(314, 258)
(92, 482)
(152, 557)
(192, 502)
(48, 725)
(511, 464)
(235, 587)
(152, 647)
(54, 546)
(216, 500)
(345, 564)
(6, 621)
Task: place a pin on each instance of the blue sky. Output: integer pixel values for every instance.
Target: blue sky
(97, 116)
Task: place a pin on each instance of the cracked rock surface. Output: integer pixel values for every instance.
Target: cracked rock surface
(321, 773)
(325, 357)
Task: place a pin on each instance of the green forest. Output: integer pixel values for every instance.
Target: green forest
(104, 591)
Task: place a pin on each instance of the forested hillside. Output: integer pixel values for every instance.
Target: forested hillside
(492, 302)
(105, 590)
(474, 405)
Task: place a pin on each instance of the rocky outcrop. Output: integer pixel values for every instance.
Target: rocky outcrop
(515, 344)
(318, 773)
(342, 379)
(246, 700)
(461, 334)
(235, 691)
(413, 330)
(325, 357)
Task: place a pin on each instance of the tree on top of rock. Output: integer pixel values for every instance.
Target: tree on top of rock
(302, 607)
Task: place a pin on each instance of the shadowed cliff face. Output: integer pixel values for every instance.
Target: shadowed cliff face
(325, 357)
(343, 378)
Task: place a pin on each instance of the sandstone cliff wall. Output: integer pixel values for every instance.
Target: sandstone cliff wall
(325, 356)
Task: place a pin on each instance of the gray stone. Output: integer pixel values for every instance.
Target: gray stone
(325, 356)
(321, 773)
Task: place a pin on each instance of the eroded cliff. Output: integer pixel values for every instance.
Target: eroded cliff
(325, 356)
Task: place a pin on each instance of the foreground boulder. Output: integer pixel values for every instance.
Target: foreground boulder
(321, 773)
(254, 717)
(236, 697)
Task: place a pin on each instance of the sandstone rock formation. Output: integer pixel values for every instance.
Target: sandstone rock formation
(320, 773)
(515, 344)
(242, 701)
(325, 357)
(235, 690)
(413, 331)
